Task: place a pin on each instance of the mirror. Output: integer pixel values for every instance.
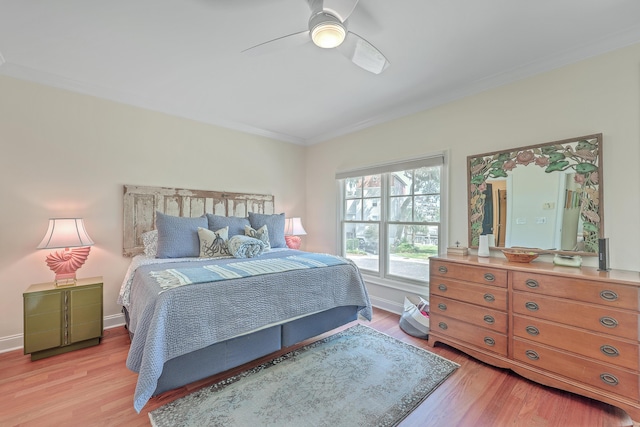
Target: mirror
(544, 197)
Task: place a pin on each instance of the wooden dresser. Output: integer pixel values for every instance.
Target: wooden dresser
(575, 329)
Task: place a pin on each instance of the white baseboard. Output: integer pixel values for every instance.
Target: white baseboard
(385, 304)
(113, 321)
(10, 343)
(16, 342)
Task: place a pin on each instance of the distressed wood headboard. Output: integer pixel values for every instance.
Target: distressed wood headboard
(141, 204)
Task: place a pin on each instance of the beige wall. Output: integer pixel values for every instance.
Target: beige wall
(65, 154)
(601, 94)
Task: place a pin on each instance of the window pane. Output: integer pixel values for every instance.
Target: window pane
(353, 210)
(362, 245)
(400, 209)
(372, 186)
(410, 247)
(427, 180)
(353, 188)
(400, 183)
(427, 208)
(371, 210)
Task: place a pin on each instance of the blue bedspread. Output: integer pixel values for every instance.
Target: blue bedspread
(187, 318)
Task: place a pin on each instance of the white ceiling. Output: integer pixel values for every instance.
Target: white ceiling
(183, 57)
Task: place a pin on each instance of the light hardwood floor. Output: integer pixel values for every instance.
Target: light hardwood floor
(93, 387)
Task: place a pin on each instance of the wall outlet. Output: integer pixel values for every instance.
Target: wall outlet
(541, 220)
(521, 221)
(548, 205)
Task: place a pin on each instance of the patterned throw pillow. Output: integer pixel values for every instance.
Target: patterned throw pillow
(261, 233)
(213, 244)
(150, 242)
(275, 222)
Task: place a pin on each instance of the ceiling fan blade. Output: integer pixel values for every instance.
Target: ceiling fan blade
(340, 8)
(363, 54)
(284, 42)
(315, 6)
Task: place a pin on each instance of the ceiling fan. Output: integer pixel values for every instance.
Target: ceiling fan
(328, 29)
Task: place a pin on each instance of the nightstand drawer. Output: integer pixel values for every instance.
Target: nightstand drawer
(605, 320)
(481, 275)
(486, 296)
(605, 349)
(472, 335)
(476, 315)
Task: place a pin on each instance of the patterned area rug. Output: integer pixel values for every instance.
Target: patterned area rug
(357, 377)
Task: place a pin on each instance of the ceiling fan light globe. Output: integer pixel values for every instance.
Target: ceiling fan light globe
(328, 35)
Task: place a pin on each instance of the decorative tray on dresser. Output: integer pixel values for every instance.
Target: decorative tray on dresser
(575, 329)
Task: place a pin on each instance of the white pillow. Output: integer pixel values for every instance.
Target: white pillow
(213, 244)
(261, 233)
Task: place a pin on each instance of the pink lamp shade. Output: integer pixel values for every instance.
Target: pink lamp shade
(293, 229)
(66, 233)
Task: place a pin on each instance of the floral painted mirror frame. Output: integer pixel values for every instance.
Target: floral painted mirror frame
(583, 155)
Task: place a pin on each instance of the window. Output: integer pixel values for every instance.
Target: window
(391, 217)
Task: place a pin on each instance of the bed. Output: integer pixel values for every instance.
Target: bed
(190, 317)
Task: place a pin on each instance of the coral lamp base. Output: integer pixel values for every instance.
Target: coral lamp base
(65, 263)
(293, 242)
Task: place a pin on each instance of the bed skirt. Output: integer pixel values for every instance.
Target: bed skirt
(234, 352)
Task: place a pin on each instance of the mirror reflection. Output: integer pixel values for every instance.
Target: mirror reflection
(546, 197)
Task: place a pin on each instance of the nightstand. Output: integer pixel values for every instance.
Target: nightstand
(62, 319)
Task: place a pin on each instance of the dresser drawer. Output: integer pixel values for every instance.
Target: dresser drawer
(474, 336)
(486, 296)
(596, 318)
(601, 375)
(608, 294)
(483, 275)
(594, 346)
(476, 315)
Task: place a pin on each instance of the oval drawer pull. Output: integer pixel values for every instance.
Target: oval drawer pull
(530, 283)
(608, 322)
(489, 297)
(442, 287)
(608, 295)
(443, 325)
(609, 379)
(532, 355)
(489, 277)
(531, 306)
(609, 350)
(442, 269)
(489, 341)
(532, 330)
(442, 306)
(489, 319)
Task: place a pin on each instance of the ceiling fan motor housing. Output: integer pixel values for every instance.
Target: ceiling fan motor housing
(327, 31)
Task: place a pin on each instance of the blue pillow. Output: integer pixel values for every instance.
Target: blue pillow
(178, 236)
(275, 225)
(236, 224)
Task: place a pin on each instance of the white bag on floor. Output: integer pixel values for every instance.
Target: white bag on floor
(412, 321)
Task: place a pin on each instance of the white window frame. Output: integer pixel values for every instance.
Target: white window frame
(382, 276)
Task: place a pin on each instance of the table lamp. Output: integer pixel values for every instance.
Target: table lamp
(293, 229)
(69, 234)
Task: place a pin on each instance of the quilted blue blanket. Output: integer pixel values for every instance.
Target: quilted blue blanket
(167, 323)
